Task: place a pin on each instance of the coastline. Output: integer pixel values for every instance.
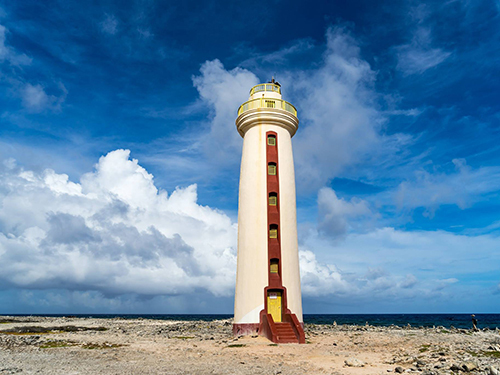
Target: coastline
(76, 345)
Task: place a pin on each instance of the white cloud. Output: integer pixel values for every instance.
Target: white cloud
(409, 282)
(35, 99)
(336, 106)
(223, 91)
(319, 279)
(340, 122)
(338, 216)
(414, 59)
(109, 25)
(388, 265)
(8, 54)
(33, 96)
(116, 233)
(113, 232)
(463, 187)
(427, 255)
(418, 56)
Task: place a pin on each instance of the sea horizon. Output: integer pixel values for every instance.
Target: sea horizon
(446, 320)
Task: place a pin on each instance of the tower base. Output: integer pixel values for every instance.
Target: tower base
(245, 329)
(288, 331)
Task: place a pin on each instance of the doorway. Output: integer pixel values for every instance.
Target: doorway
(274, 305)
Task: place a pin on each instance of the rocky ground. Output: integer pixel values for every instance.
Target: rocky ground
(43, 345)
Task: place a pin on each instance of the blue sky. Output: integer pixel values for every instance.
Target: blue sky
(120, 157)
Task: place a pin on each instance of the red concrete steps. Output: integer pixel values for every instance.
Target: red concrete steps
(285, 333)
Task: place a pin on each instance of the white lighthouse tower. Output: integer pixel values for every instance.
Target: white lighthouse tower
(268, 297)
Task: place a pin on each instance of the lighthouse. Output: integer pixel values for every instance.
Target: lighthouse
(268, 297)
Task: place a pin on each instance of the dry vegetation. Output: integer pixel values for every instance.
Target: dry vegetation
(42, 345)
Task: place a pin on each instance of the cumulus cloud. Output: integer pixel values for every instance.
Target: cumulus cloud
(113, 238)
(387, 265)
(340, 122)
(338, 216)
(223, 91)
(337, 107)
(114, 233)
(318, 279)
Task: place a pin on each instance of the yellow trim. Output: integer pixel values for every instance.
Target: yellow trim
(265, 87)
(273, 233)
(267, 103)
(271, 170)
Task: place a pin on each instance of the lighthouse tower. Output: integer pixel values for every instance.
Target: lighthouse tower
(268, 298)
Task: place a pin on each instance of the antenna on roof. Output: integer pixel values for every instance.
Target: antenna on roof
(274, 81)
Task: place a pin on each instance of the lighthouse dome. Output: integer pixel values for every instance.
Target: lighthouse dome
(266, 90)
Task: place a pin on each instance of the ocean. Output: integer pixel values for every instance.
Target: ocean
(490, 321)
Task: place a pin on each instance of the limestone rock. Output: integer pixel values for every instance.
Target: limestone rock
(420, 363)
(354, 362)
(455, 367)
(469, 366)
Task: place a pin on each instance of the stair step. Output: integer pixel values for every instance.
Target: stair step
(282, 341)
(285, 333)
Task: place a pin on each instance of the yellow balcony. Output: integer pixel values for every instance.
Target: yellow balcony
(267, 103)
(265, 87)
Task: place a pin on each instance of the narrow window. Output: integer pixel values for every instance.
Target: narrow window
(273, 199)
(274, 266)
(270, 103)
(271, 169)
(271, 140)
(273, 231)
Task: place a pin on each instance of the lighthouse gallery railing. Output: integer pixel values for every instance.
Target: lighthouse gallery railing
(267, 103)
